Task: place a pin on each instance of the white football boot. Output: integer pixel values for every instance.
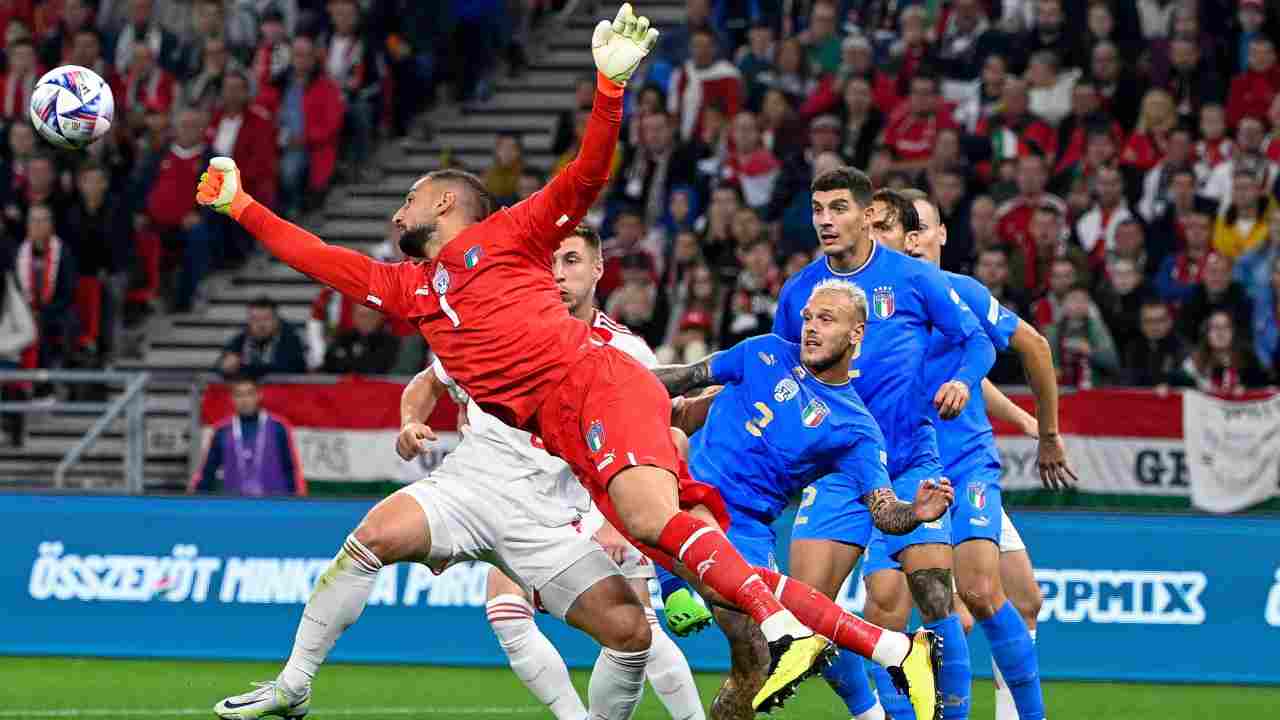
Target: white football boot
(268, 699)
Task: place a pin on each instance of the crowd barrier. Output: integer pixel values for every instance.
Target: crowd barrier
(1127, 597)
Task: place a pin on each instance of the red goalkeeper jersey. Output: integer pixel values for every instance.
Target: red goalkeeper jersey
(487, 305)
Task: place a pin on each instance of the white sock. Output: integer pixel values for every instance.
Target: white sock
(1005, 708)
(336, 602)
(532, 656)
(617, 681)
(875, 713)
(669, 674)
(891, 649)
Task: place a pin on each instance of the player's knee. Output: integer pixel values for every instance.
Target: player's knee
(1028, 603)
(979, 595)
(377, 538)
(628, 629)
(931, 589)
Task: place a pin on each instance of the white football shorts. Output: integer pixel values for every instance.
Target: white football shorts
(1010, 540)
(468, 521)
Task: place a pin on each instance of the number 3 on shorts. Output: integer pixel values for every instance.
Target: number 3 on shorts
(810, 493)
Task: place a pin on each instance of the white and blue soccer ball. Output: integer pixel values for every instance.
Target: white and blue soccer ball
(72, 106)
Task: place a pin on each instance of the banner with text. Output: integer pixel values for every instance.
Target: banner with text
(1233, 451)
(1120, 442)
(226, 578)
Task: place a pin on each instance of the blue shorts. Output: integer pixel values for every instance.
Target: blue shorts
(753, 538)
(832, 509)
(976, 513)
(877, 556)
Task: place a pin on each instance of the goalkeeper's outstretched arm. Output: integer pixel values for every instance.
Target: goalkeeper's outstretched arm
(551, 213)
(343, 269)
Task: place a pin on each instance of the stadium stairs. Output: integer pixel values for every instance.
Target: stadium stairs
(178, 347)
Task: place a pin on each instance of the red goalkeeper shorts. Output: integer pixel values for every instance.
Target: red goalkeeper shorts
(611, 413)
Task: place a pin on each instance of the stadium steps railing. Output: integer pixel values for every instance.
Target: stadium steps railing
(127, 406)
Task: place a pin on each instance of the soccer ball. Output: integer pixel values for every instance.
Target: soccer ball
(72, 106)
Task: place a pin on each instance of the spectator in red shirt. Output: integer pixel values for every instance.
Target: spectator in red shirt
(749, 163)
(1252, 90)
(170, 208)
(1013, 218)
(310, 118)
(628, 240)
(147, 85)
(18, 80)
(1101, 148)
(915, 124)
(1149, 141)
(1014, 131)
(703, 81)
(244, 131)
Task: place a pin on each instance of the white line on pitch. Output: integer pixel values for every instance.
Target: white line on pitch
(160, 712)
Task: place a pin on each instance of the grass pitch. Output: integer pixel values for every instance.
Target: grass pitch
(35, 688)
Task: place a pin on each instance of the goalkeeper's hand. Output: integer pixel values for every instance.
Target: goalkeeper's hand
(619, 46)
(220, 188)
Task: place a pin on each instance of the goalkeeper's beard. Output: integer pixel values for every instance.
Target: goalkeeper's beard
(414, 242)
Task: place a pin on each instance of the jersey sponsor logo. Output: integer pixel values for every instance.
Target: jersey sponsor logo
(441, 280)
(595, 436)
(472, 256)
(977, 494)
(980, 521)
(766, 358)
(785, 390)
(882, 302)
(932, 525)
(814, 413)
(1147, 597)
(799, 372)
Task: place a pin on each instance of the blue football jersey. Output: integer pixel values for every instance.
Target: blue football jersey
(907, 299)
(966, 441)
(776, 428)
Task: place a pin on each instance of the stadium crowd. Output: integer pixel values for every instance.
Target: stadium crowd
(1108, 169)
(296, 91)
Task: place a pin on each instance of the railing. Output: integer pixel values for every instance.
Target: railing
(131, 404)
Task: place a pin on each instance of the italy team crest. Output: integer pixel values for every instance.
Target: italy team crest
(441, 280)
(977, 494)
(595, 436)
(814, 413)
(472, 256)
(882, 302)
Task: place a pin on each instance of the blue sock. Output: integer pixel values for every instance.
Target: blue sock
(956, 681)
(848, 678)
(1015, 655)
(669, 582)
(896, 705)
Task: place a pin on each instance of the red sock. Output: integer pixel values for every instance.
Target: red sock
(822, 615)
(708, 553)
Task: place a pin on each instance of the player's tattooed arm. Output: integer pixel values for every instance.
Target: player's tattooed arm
(896, 517)
(680, 379)
(891, 515)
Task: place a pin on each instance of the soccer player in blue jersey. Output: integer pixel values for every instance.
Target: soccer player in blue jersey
(972, 462)
(910, 299)
(788, 415)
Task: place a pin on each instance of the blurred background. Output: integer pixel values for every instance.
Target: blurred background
(1108, 169)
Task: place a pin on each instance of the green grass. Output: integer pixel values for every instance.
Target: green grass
(34, 688)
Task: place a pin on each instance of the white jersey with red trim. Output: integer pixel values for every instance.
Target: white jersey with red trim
(513, 462)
